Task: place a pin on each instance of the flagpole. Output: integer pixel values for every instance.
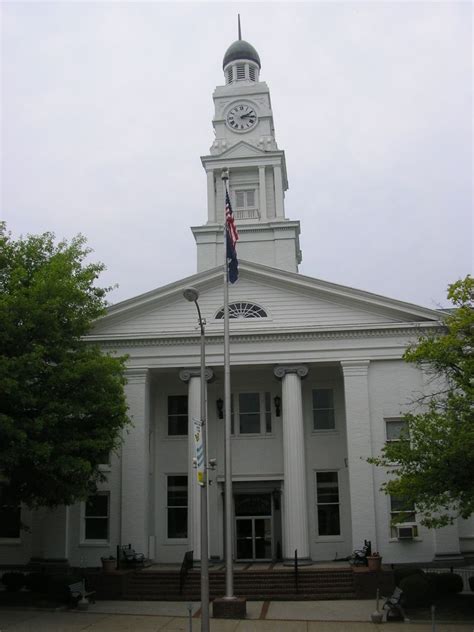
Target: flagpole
(229, 574)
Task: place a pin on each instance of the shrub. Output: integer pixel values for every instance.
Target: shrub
(448, 584)
(37, 582)
(432, 579)
(417, 589)
(404, 571)
(13, 581)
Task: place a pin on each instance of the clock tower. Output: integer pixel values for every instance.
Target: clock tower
(245, 144)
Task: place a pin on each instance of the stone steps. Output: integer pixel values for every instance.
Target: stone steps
(256, 585)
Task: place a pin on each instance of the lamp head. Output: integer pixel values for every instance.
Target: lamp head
(191, 294)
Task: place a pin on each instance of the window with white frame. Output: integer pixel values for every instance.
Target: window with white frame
(323, 409)
(177, 415)
(10, 516)
(245, 199)
(396, 429)
(401, 511)
(177, 506)
(104, 459)
(327, 500)
(96, 517)
(253, 413)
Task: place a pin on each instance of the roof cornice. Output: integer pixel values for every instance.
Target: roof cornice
(174, 339)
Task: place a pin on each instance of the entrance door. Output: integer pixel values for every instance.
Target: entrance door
(253, 526)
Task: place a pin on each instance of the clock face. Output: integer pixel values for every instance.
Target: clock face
(241, 118)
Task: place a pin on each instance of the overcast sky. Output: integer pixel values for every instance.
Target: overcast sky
(107, 108)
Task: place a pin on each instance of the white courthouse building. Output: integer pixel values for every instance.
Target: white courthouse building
(318, 386)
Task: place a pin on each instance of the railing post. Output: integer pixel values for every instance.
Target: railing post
(296, 570)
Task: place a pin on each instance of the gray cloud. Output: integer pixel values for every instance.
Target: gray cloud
(107, 108)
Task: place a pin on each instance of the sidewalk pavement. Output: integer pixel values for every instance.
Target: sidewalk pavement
(274, 616)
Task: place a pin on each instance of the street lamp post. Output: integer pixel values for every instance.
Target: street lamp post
(192, 295)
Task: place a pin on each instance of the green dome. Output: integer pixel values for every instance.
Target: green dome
(241, 49)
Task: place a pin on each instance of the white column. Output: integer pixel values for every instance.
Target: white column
(193, 379)
(295, 517)
(211, 198)
(262, 193)
(359, 449)
(279, 209)
(135, 506)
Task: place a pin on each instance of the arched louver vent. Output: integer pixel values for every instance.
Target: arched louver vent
(243, 310)
(229, 74)
(240, 71)
(252, 73)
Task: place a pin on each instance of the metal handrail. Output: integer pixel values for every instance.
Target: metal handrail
(185, 566)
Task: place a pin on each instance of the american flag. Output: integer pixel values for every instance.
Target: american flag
(232, 237)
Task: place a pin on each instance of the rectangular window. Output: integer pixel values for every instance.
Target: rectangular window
(396, 429)
(401, 511)
(96, 517)
(10, 516)
(253, 412)
(104, 459)
(177, 507)
(323, 409)
(177, 415)
(327, 499)
(249, 413)
(245, 199)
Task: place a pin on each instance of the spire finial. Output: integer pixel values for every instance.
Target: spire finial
(240, 32)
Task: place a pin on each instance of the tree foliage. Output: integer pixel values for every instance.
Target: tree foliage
(435, 458)
(62, 404)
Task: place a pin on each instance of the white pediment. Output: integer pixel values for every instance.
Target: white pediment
(292, 302)
(242, 150)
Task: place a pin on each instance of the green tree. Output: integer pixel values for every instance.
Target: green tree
(435, 458)
(62, 403)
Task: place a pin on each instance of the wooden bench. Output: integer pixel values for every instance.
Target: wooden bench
(394, 605)
(77, 591)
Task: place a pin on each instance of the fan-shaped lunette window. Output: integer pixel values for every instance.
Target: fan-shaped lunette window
(243, 310)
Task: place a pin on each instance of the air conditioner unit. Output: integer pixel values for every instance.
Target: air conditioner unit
(407, 531)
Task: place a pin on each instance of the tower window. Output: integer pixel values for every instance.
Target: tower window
(245, 199)
(252, 73)
(230, 74)
(243, 310)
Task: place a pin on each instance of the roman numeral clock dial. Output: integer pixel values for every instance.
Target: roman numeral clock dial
(241, 118)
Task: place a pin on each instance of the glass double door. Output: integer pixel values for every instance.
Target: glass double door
(254, 538)
(253, 526)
